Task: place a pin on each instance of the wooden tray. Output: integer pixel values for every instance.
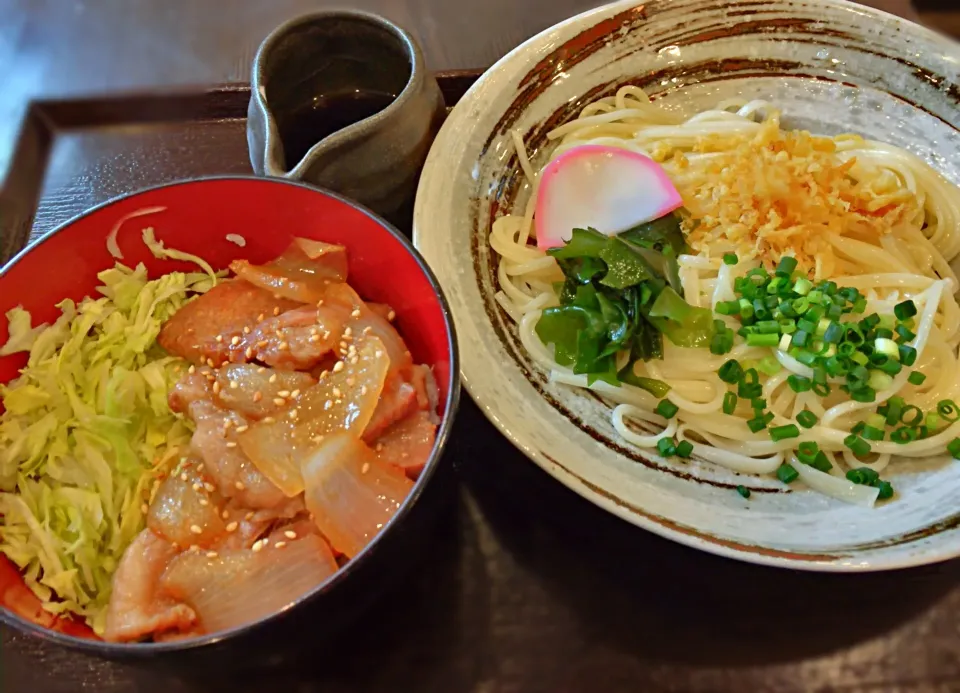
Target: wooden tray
(528, 588)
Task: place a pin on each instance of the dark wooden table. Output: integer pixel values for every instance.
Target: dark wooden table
(528, 588)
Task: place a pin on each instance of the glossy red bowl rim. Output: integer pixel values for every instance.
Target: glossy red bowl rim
(150, 649)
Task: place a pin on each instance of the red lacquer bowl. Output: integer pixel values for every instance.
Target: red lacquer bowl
(199, 217)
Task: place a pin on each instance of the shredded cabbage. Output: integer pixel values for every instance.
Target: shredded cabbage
(85, 432)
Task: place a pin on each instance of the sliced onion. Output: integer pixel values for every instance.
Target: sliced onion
(343, 400)
(350, 493)
(233, 587)
(302, 273)
(834, 486)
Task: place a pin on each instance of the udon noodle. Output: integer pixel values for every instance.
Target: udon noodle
(890, 232)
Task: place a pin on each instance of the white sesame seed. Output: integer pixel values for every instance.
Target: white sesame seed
(290, 534)
(348, 332)
(367, 330)
(327, 405)
(260, 317)
(280, 544)
(257, 396)
(232, 527)
(183, 476)
(279, 401)
(248, 352)
(246, 330)
(248, 516)
(200, 467)
(144, 509)
(257, 545)
(283, 393)
(260, 369)
(216, 387)
(204, 502)
(273, 378)
(212, 554)
(355, 313)
(239, 485)
(338, 366)
(363, 389)
(196, 529)
(231, 444)
(314, 338)
(241, 429)
(365, 468)
(235, 340)
(234, 384)
(197, 487)
(227, 423)
(192, 369)
(276, 310)
(317, 439)
(295, 394)
(225, 514)
(391, 315)
(210, 488)
(293, 414)
(268, 419)
(326, 334)
(278, 333)
(379, 447)
(343, 346)
(283, 346)
(336, 392)
(219, 338)
(353, 360)
(210, 363)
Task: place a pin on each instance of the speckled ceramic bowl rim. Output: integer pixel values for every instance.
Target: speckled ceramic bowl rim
(682, 534)
(152, 649)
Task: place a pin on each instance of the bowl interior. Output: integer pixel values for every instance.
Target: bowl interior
(831, 67)
(198, 217)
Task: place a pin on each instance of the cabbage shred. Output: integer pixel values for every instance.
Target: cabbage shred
(85, 433)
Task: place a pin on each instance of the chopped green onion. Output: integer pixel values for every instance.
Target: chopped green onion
(886, 490)
(821, 463)
(904, 435)
(805, 357)
(666, 447)
(869, 322)
(763, 340)
(857, 445)
(807, 418)
(954, 448)
(889, 366)
(821, 389)
(857, 427)
(666, 409)
(799, 383)
(779, 433)
(905, 334)
(730, 372)
(684, 448)
(947, 410)
(767, 327)
(879, 380)
(768, 365)
(916, 378)
(863, 475)
(802, 286)
(749, 385)
(786, 473)
(743, 491)
(807, 452)
(905, 310)
(728, 307)
(894, 407)
(887, 347)
(757, 424)
(911, 415)
(834, 333)
(871, 433)
(730, 258)
(785, 341)
(908, 355)
(876, 420)
(801, 305)
(758, 404)
(787, 265)
(729, 403)
(864, 394)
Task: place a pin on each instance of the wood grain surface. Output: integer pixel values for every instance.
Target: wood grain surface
(528, 588)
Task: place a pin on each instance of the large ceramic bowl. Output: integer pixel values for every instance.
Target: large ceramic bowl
(832, 66)
(201, 217)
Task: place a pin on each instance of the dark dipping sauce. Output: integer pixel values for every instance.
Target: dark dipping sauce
(324, 115)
